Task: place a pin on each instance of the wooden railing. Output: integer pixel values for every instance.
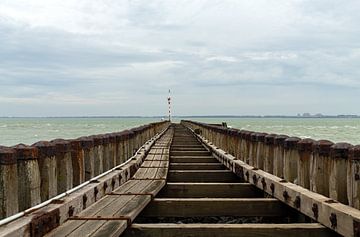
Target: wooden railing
(332, 170)
(33, 174)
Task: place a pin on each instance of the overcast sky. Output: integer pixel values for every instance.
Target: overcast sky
(239, 57)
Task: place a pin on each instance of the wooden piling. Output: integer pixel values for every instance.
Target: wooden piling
(260, 151)
(291, 157)
(253, 148)
(279, 155)
(87, 145)
(353, 177)
(113, 150)
(244, 145)
(98, 154)
(28, 176)
(9, 204)
(269, 147)
(47, 167)
(78, 161)
(106, 153)
(320, 167)
(339, 155)
(305, 148)
(64, 168)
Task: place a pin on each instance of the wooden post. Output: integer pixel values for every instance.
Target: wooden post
(28, 176)
(320, 167)
(253, 148)
(78, 163)
(339, 154)
(98, 155)
(279, 155)
(64, 169)
(260, 152)
(305, 148)
(9, 204)
(132, 143)
(47, 167)
(269, 153)
(243, 142)
(353, 177)
(113, 150)
(121, 148)
(247, 147)
(238, 141)
(106, 153)
(118, 149)
(87, 145)
(291, 157)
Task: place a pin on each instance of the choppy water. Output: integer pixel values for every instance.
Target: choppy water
(333, 129)
(31, 130)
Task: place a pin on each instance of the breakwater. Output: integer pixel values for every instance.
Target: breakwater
(324, 167)
(33, 174)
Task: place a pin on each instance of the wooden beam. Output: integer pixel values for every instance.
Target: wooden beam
(202, 176)
(193, 159)
(209, 190)
(198, 207)
(197, 166)
(228, 230)
(190, 153)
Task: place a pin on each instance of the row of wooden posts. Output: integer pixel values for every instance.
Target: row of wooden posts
(32, 174)
(332, 170)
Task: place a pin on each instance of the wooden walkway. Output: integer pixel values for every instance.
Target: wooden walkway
(183, 190)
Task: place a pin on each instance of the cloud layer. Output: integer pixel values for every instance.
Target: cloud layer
(106, 57)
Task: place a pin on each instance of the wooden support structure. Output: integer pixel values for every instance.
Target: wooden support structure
(209, 190)
(331, 213)
(202, 176)
(228, 230)
(195, 207)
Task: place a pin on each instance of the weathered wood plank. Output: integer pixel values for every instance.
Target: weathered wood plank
(228, 230)
(190, 153)
(209, 190)
(202, 176)
(196, 166)
(193, 159)
(196, 207)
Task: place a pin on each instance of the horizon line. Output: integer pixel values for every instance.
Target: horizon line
(194, 116)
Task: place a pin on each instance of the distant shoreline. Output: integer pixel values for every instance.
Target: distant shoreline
(189, 116)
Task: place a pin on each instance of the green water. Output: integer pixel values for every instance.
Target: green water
(31, 130)
(333, 129)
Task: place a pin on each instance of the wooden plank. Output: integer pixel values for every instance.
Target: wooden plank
(193, 159)
(190, 153)
(209, 190)
(228, 230)
(202, 176)
(180, 148)
(105, 207)
(110, 228)
(196, 166)
(197, 207)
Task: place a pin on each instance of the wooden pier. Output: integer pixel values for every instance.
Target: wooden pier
(182, 184)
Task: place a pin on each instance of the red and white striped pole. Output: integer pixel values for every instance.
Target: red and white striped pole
(169, 103)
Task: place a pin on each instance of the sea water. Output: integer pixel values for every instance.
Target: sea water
(31, 130)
